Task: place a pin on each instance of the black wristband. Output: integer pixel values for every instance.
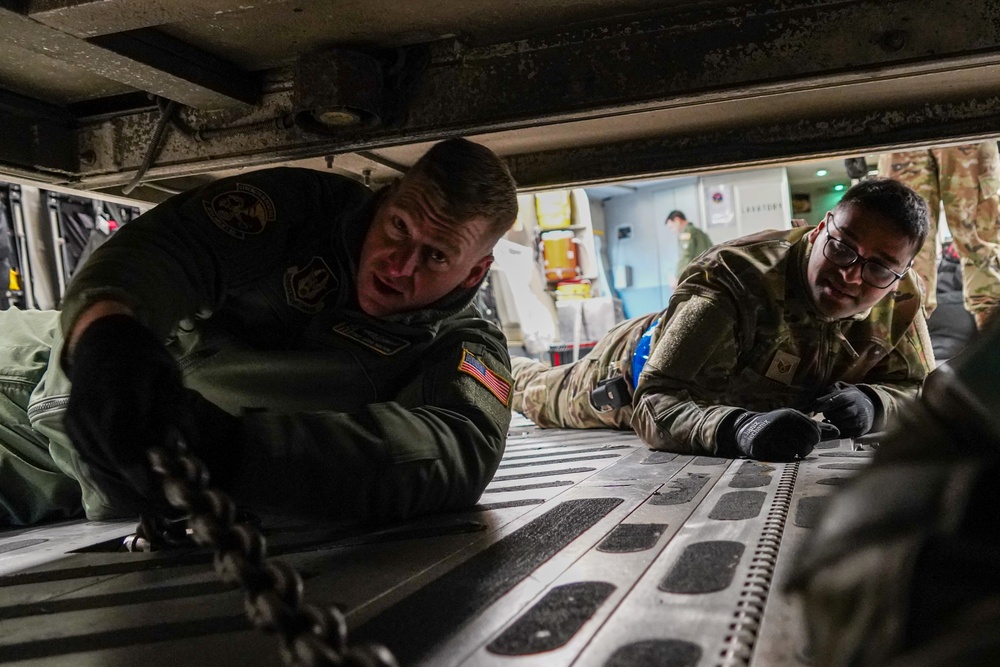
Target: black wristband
(725, 434)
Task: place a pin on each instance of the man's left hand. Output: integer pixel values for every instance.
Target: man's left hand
(848, 408)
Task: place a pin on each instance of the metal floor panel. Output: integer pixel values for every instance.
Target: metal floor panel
(586, 549)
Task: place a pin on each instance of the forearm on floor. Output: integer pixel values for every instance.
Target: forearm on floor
(676, 423)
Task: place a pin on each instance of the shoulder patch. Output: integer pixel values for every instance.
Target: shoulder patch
(475, 367)
(241, 211)
(305, 287)
(372, 338)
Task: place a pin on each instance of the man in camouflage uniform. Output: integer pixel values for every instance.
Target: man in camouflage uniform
(761, 332)
(965, 178)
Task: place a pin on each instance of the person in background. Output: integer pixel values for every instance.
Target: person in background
(951, 326)
(965, 179)
(691, 240)
(763, 332)
(313, 343)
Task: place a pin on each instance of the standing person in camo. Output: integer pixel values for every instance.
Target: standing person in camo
(965, 179)
(315, 344)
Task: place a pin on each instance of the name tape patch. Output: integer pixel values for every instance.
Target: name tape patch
(372, 338)
(476, 368)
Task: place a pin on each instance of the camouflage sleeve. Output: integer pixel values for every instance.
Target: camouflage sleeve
(695, 356)
(896, 379)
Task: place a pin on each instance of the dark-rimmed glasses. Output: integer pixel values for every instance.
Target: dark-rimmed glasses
(873, 272)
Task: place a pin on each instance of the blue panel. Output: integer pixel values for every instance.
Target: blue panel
(638, 301)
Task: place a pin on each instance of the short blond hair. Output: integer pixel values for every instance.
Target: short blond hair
(468, 181)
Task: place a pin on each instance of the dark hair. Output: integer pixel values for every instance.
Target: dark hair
(676, 214)
(468, 181)
(894, 201)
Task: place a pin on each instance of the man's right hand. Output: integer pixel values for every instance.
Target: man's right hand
(127, 396)
(779, 435)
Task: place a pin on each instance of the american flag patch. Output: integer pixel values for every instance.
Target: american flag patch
(477, 369)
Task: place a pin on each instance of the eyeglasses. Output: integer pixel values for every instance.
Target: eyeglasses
(872, 272)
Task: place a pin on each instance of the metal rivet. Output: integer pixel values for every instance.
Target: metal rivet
(893, 40)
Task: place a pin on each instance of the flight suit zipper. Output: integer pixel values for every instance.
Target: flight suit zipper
(46, 405)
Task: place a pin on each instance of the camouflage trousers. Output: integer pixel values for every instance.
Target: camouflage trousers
(559, 397)
(965, 179)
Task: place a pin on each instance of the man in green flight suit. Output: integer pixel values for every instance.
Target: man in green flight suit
(313, 342)
(691, 240)
(762, 332)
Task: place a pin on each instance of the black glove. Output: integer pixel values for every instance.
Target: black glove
(779, 435)
(848, 408)
(127, 397)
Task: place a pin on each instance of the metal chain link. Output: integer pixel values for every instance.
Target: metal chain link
(309, 636)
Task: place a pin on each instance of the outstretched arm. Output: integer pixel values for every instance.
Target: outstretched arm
(433, 446)
(692, 362)
(680, 402)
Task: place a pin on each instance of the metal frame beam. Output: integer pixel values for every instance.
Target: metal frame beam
(89, 18)
(677, 62)
(172, 57)
(33, 133)
(147, 61)
(968, 121)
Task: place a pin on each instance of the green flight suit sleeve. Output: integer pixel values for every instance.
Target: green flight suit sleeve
(702, 242)
(434, 448)
(697, 243)
(674, 407)
(183, 256)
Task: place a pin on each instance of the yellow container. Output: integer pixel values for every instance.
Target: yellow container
(554, 209)
(570, 290)
(559, 252)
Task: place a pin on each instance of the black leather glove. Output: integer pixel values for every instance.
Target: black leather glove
(127, 397)
(848, 408)
(779, 435)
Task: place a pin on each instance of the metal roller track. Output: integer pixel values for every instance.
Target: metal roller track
(586, 549)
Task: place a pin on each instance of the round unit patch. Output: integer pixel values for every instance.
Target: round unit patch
(244, 210)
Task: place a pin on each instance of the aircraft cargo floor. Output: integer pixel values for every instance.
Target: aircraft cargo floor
(586, 549)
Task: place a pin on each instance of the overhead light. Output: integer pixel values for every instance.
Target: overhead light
(838, 187)
(822, 172)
